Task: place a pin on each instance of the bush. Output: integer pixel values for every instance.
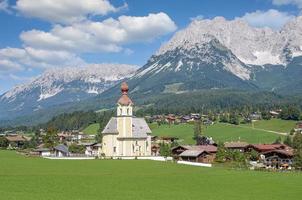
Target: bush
(74, 148)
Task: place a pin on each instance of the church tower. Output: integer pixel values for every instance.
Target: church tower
(124, 104)
(124, 113)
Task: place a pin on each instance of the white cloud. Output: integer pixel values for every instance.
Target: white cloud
(65, 11)
(271, 18)
(297, 3)
(9, 66)
(105, 36)
(17, 59)
(4, 6)
(198, 17)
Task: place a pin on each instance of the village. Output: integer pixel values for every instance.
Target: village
(128, 137)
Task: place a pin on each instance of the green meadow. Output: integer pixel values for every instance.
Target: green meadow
(278, 125)
(220, 132)
(29, 178)
(92, 129)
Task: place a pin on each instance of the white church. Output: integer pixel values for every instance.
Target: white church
(125, 134)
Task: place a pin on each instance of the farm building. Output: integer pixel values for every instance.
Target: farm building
(43, 152)
(126, 135)
(92, 149)
(278, 159)
(274, 155)
(197, 153)
(61, 151)
(240, 146)
(16, 141)
(201, 156)
(261, 148)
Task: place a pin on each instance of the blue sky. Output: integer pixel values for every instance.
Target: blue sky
(38, 35)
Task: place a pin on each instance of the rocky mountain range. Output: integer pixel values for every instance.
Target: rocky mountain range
(214, 54)
(62, 85)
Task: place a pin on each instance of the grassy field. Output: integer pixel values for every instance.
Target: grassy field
(219, 132)
(92, 129)
(278, 125)
(37, 178)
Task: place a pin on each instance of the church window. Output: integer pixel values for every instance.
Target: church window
(128, 111)
(114, 149)
(133, 148)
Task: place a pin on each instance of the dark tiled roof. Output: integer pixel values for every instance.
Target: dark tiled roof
(62, 148)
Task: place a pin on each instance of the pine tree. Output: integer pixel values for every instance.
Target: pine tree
(197, 130)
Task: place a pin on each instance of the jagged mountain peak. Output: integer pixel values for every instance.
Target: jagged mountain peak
(52, 81)
(256, 46)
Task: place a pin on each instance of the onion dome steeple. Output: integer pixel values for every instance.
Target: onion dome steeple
(124, 99)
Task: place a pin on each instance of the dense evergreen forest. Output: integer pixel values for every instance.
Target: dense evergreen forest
(214, 101)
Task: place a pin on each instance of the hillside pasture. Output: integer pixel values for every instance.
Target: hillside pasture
(92, 129)
(220, 132)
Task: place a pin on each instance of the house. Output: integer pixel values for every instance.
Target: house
(278, 159)
(201, 156)
(92, 149)
(16, 141)
(261, 148)
(61, 151)
(240, 146)
(171, 119)
(155, 150)
(42, 152)
(196, 153)
(274, 114)
(125, 134)
(163, 139)
(276, 156)
(255, 116)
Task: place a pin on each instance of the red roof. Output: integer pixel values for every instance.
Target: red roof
(269, 147)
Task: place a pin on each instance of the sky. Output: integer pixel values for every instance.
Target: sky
(39, 35)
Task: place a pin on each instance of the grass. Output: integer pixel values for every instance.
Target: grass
(36, 178)
(278, 125)
(220, 132)
(92, 129)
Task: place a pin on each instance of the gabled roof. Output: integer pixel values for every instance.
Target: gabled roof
(140, 127)
(207, 148)
(268, 147)
(16, 138)
(62, 148)
(192, 153)
(111, 126)
(235, 144)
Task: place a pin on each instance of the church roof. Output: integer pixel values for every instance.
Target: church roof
(111, 126)
(140, 128)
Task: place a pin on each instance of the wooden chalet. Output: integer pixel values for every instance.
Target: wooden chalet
(16, 141)
(278, 159)
(196, 153)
